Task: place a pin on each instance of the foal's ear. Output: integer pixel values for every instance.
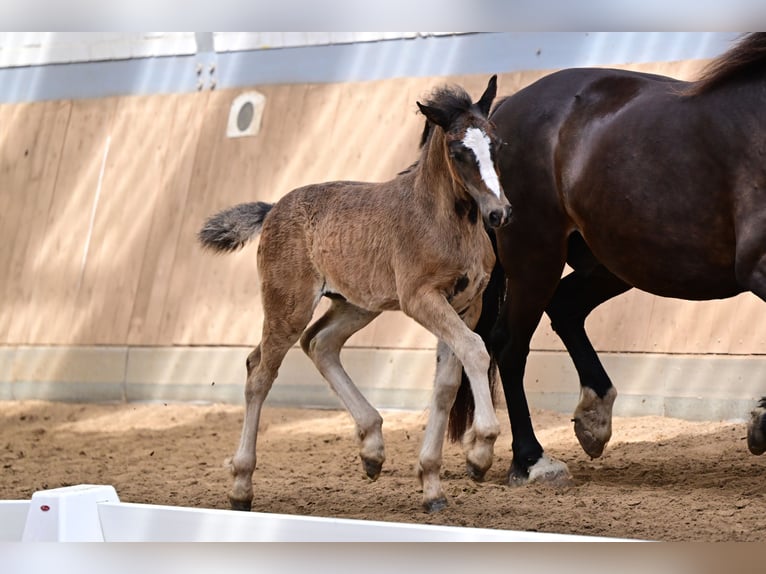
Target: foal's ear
(485, 102)
(436, 115)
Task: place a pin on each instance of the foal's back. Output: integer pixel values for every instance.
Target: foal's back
(362, 240)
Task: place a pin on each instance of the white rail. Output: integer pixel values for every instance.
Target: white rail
(95, 513)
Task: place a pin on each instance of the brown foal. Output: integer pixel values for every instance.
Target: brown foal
(416, 243)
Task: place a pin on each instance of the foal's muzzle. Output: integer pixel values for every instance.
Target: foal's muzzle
(499, 217)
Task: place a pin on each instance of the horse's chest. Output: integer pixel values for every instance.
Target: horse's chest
(466, 288)
(472, 271)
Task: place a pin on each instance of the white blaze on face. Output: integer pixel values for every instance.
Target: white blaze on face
(478, 142)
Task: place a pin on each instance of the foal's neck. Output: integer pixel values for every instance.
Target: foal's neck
(435, 180)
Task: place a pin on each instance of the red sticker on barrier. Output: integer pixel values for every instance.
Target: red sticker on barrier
(45, 508)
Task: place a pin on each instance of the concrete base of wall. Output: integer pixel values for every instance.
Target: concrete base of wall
(695, 387)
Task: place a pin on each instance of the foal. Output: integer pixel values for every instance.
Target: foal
(415, 244)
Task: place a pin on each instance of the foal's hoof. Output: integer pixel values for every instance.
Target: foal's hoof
(546, 470)
(474, 472)
(372, 468)
(593, 421)
(243, 505)
(435, 505)
(756, 430)
(478, 454)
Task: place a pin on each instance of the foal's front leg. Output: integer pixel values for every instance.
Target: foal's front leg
(432, 310)
(479, 451)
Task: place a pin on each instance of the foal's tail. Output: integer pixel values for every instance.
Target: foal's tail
(231, 228)
(461, 415)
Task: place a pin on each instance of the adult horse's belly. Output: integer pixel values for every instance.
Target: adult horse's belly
(658, 215)
(671, 259)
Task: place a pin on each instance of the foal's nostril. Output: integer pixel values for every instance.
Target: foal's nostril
(500, 217)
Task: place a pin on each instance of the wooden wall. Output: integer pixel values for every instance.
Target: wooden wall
(100, 201)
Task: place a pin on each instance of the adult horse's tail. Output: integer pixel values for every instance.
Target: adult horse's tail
(461, 415)
(230, 229)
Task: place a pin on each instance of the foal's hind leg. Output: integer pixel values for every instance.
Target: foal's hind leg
(322, 342)
(281, 329)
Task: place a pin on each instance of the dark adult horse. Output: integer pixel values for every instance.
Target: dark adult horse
(635, 180)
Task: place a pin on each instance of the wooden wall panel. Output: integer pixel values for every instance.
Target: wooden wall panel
(56, 316)
(185, 313)
(639, 322)
(30, 152)
(12, 199)
(146, 280)
(273, 167)
(212, 296)
(179, 154)
(130, 186)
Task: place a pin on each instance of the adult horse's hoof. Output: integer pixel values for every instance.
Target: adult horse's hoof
(372, 468)
(546, 470)
(243, 505)
(593, 420)
(436, 505)
(517, 476)
(756, 429)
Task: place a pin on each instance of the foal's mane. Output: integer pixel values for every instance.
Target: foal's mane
(744, 59)
(453, 100)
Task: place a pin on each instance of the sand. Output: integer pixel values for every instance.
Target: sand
(659, 479)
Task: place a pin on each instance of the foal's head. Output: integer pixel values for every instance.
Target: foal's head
(471, 147)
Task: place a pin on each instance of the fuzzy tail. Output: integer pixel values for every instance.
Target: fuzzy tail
(230, 229)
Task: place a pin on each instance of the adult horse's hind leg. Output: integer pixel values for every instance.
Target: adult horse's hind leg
(576, 296)
(322, 342)
(751, 272)
(756, 429)
(280, 331)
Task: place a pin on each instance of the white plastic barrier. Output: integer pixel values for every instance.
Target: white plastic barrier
(94, 513)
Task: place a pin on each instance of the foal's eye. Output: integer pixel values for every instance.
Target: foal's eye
(459, 153)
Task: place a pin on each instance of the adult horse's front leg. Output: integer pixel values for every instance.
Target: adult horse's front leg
(432, 310)
(529, 287)
(576, 296)
(530, 463)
